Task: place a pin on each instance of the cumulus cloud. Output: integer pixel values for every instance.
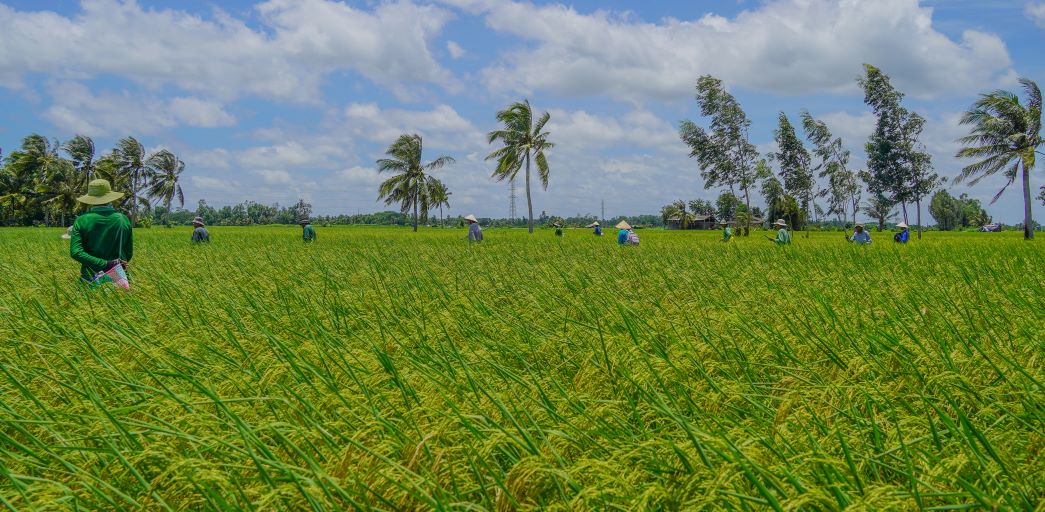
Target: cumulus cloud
(582, 131)
(1036, 12)
(78, 110)
(441, 127)
(299, 43)
(783, 46)
(456, 51)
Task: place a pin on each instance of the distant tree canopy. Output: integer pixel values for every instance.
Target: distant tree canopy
(957, 212)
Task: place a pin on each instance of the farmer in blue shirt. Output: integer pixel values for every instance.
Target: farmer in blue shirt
(904, 235)
(475, 232)
(622, 235)
(860, 236)
(598, 228)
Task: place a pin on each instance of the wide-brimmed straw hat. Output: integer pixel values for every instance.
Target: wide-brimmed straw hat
(471, 218)
(304, 220)
(99, 192)
(902, 225)
(859, 224)
(780, 222)
(623, 225)
(198, 221)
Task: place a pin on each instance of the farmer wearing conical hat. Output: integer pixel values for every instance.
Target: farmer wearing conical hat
(475, 232)
(308, 233)
(598, 228)
(904, 235)
(782, 235)
(727, 232)
(101, 238)
(622, 235)
(860, 235)
(199, 234)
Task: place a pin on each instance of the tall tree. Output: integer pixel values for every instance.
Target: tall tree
(899, 167)
(794, 163)
(439, 196)
(880, 209)
(23, 184)
(410, 184)
(724, 151)
(843, 192)
(130, 158)
(81, 151)
(164, 174)
(523, 140)
(1005, 135)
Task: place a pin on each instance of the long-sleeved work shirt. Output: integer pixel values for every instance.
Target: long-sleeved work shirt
(200, 235)
(862, 237)
(622, 236)
(903, 236)
(99, 236)
(727, 234)
(783, 237)
(598, 231)
(308, 233)
(475, 233)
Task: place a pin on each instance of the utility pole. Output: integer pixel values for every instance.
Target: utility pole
(603, 211)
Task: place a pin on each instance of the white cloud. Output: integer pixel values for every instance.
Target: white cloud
(580, 131)
(277, 177)
(441, 128)
(202, 113)
(209, 183)
(292, 154)
(300, 42)
(78, 110)
(783, 46)
(1036, 12)
(456, 51)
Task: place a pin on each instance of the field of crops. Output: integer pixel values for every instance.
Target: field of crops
(385, 369)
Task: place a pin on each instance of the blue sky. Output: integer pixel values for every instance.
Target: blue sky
(281, 99)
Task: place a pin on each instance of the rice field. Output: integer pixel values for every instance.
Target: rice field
(382, 369)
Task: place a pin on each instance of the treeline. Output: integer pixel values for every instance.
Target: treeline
(40, 181)
(960, 212)
(800, 183)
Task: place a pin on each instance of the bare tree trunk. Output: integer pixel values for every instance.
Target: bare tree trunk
(1028, 227)
(747, 200)
(903, 206)
(918, 216)
(529, 202)
(415, 213)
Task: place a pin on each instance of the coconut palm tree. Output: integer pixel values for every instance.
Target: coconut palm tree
(1006, 136)
(438, 196)
(410, 185)
(81, 151)
(164, 171)
(130, 158)
(523, 141)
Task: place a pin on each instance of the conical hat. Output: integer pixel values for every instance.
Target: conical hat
(902, 225)
(623, 225)
(471, 218)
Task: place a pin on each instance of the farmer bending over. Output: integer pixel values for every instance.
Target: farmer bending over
(860, 236)
(904, 235)
(727, 232)
(101, 238)
(782, 236)
(308, 233)
(200, 234)
(475, 232)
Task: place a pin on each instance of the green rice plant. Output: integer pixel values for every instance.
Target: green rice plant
(382, 369)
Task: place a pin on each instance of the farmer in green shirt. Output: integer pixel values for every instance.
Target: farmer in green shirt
(782, 236)
(727, 232)
(101, 238)
(308, 233)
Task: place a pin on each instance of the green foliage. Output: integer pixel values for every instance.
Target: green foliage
(411, 185)
(843, 192)
(957, 212)
(724, 151)
(1005, 136)
(794, 161)
(522, 141)
(377, 370)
